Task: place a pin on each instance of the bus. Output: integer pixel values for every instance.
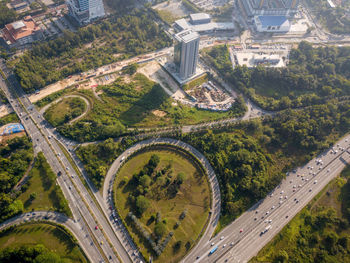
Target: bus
(213, 250)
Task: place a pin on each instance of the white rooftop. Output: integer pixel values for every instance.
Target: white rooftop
(184, 25)
(187, 36)
(18, 24)
(199, 16)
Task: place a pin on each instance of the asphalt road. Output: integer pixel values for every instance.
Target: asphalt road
(83, 240)
(243, 238)
(214, 184)
(83, 207)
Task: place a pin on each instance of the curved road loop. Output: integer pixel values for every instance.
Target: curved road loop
(214, 184)
(58, 218)
(87, 102)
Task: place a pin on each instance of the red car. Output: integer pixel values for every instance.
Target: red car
(96, 227)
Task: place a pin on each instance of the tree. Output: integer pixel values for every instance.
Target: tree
(142, 204)
(159, 229)
(181, 177)
(145, 180)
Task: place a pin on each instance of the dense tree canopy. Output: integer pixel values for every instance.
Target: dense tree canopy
(90, 47)
(313, 76)
(14, 161)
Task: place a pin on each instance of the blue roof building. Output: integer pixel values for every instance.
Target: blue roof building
(278, 24)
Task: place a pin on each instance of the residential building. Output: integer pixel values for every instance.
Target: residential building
(186, 53)
(85, 11)
(21, 32)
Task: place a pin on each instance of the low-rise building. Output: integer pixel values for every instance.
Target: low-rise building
(200, 18)
(272, 24)
(21, 32)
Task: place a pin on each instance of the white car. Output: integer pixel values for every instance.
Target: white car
(315, 182)
(222, 237)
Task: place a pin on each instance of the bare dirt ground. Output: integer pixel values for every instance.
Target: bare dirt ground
(159, 113)
(175, 7)
(5, 109)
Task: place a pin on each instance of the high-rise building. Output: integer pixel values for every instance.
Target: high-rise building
(186, 53)
(270, 7)
(85, 11)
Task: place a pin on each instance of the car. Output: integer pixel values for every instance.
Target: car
(280, 202)
(67, 168)
(240, 231)
(294, 186)
(297, 201)
(257, 211)
(197, 257)
(255, 218)
(310, 190)
(286, 197)
(267, 212)
(110, 257)
(271, 195)
(273, 207)
(269, 221)
(328, 170)
(224, 245)
(96, 227)
(212, 244)
(59, 173)
(282, 192)
(222, 237)
(59, 154)
(287, 216)
(72, 176)
(70, 188)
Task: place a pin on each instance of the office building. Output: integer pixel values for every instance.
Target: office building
(186, 53)
(270, 7)
(85, 11)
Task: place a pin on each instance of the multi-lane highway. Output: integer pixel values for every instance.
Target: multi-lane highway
(85, 211)
(243, 239)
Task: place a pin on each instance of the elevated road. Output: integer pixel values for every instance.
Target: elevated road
(243, 238)
(58, 218)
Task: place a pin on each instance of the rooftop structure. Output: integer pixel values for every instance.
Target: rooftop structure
(270, 7)
(200, 18)
(276, 24)
(183, 24)
(85, 11)
(21, 32)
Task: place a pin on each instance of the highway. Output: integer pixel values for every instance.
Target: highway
(214, 184)
(84, 209)
(242, 239)
(70, 224)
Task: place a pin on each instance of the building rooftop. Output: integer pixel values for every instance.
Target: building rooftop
(272, 20)
(199, 16)
(184, 25)
(19, 29)
(187, 36)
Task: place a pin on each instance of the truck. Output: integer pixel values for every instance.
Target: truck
(213, 250)
(265, 230)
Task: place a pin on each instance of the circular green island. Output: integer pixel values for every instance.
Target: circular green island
(163, 196)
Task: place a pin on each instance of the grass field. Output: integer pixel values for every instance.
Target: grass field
(52, 237)
(316, 233)
(64, 111)
(42, 184)
(193, 196)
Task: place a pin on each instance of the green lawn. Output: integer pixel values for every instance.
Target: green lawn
(193, 196)
(12, 117)
(42, 183)
(52, 237)
(64, 111)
